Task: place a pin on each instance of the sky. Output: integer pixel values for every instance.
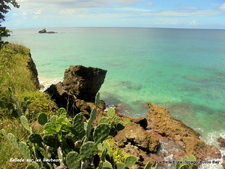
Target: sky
(200, 14)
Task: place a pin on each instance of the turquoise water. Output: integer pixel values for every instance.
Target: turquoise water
(180, 69)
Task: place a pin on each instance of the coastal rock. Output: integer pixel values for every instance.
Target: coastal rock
(135, 135)
(142, 121)
(221, 141)
(42, 31)
(136, 141)
(83, 82)
(45, 31)
(79, 87)
(31, 65)
(165, 125)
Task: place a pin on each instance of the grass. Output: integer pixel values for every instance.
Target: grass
(18, 93)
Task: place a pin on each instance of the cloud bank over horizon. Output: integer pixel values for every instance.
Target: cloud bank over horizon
(117, 13)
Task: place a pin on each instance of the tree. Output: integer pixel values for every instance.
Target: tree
(5, 7)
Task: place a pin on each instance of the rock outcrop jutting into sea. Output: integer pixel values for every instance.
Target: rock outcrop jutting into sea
(45, 31)
(164, 125)
(80, 85)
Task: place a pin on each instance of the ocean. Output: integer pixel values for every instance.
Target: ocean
(180, 69)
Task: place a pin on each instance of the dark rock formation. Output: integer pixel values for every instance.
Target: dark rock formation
(163, 124)
(42, 31)
(31, 65)
(45, 31)
(83, 82)
(80, 85)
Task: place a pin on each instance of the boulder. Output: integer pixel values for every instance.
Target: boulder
(45, 31)
(80, 85)
(136, 141)
(135, 135)
(42, 31)
(83, 82)
(164, 124)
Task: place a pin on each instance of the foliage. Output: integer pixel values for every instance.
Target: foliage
(188, 162)
(18, 92)
(74, 142)
(5, 7)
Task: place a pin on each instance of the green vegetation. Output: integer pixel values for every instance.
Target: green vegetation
(5, 7)
(188, 162)
(18, 96)
(32, 130)
(70, 142)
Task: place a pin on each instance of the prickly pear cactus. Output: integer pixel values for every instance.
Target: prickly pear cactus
(25, 123)
(101, 132)
(12, 140)
(62, 113)
(97, 97)
(111, 112)
(129, 161)
(78, 122)
(35, 138)
(104, 120)
(73, 160)
(42, 119)
(107, 165)
(88, 149)
(120, 166)
(51, 141)
(24, 149)
(90, 121)
(148, 166)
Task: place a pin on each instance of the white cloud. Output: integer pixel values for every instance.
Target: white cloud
(222, 7)
(194, 22)
(76, 3)
(37, 12)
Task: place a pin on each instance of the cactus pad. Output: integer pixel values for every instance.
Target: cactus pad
(97, 97)
(13, 140)
(42, 119)
(24, 149)
(129, 161)
(25, 123)
(107, 165)
(88, 149)
(101, 133)
(104, 120)
(111, 112)
(35, 138)
(51, 141)
(90, 121)
(73, 160)
(120, 166)
(78, 123)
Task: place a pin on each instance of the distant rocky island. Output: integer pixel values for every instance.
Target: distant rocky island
(45, 31)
